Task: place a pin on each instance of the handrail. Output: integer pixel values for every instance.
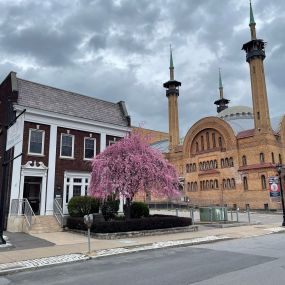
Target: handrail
(57, 210)
(22, 207)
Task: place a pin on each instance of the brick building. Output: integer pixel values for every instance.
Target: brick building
(228, 159)
(61, 133)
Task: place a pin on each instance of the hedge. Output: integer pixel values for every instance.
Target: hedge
(150, 223)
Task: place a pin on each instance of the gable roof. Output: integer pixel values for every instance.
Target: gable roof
(46, 98)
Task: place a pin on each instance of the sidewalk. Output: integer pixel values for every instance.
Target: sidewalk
(66, 244)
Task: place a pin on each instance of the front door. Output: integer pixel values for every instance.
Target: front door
(32, 192)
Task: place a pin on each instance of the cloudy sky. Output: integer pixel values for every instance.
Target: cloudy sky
(119, 50)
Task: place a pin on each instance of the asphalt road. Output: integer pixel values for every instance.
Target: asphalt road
(259, 260)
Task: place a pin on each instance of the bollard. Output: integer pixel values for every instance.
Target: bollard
(193, 220)
(237, 210)
(176, 210)
(248, 214)
(232, 218)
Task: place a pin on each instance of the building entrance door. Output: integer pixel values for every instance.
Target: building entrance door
(32, 192)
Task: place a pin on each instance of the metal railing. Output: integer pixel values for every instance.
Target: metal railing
(57, 210)
(22, 207)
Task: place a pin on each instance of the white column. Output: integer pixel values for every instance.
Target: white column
(102, 141)
(51, 170)
(16, 173)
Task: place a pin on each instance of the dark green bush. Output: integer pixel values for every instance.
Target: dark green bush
(139, 210)
(83, 205)
(110, 208)
(150, 223)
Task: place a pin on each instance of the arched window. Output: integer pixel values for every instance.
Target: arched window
(272, 157)
(214, 139)
(195, 186)
(201, 185)
(208, 140)
(245, 185)
(280, 158)
(204, 185)
(224, 183)
(191, 187)
(222, 163)
(226, 162)
(188, 186)
(194, 166)
(204, 165)
(187, 168)
(197, 147)
(228, 183)
(233, 183)
(244, 162)
(220, 142)
(215, 164)
(261, 157)
(207, 184)
(216, 184)
(202, 143)
(231, 162)
(211, 184)
(207, 165)
(263, 182)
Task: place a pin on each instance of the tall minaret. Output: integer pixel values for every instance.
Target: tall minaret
(255, 54)
(172, 93)
(222, 103)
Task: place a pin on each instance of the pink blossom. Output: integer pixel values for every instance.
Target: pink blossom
(130, 167)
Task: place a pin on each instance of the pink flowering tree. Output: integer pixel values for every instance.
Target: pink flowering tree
(130, 167)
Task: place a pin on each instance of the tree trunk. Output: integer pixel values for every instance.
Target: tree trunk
(128, 208)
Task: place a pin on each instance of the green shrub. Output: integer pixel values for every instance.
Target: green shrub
(83, 205)
(138, 210)
(110, 208)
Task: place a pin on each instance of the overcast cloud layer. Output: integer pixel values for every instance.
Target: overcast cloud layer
(119, 50)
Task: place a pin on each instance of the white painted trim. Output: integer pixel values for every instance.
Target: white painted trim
(102, 141)
(73, 139)
(94, 145)
(35, 171)
(51, 171)
(43, 142)
(72, 122)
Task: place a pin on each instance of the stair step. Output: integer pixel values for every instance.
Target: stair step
(45, 224)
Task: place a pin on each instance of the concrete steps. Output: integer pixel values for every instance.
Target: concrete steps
(45, 224)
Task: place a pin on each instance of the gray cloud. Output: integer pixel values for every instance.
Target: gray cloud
(119, 50)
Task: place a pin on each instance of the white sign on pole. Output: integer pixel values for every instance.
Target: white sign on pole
(14, 133)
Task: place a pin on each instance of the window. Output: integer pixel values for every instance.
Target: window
(89, 148)
(67, 145)
(76, 190)
(222, 163)
(208, 140)
(197, 147)
(233, 183)
(273, 158)
(245, 185)
(220, 142)
(202, 143)
(261, 157)
(214, 139)
(263, 182)
(244, 162)
(280, 158)
(36, 142)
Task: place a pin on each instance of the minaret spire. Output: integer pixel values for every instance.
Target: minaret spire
(252, 23)
(171, 66)
(255, 55)
(172, 93)
(222, 103)
(221, 88)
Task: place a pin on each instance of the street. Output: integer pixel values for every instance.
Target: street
(257, 260)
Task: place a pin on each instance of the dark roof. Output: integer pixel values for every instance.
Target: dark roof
(46, 98)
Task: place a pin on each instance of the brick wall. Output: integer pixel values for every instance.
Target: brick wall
(75, 164)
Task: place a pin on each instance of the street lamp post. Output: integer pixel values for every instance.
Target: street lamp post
(279, 168)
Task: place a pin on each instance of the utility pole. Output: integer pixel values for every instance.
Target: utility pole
(5, 163)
